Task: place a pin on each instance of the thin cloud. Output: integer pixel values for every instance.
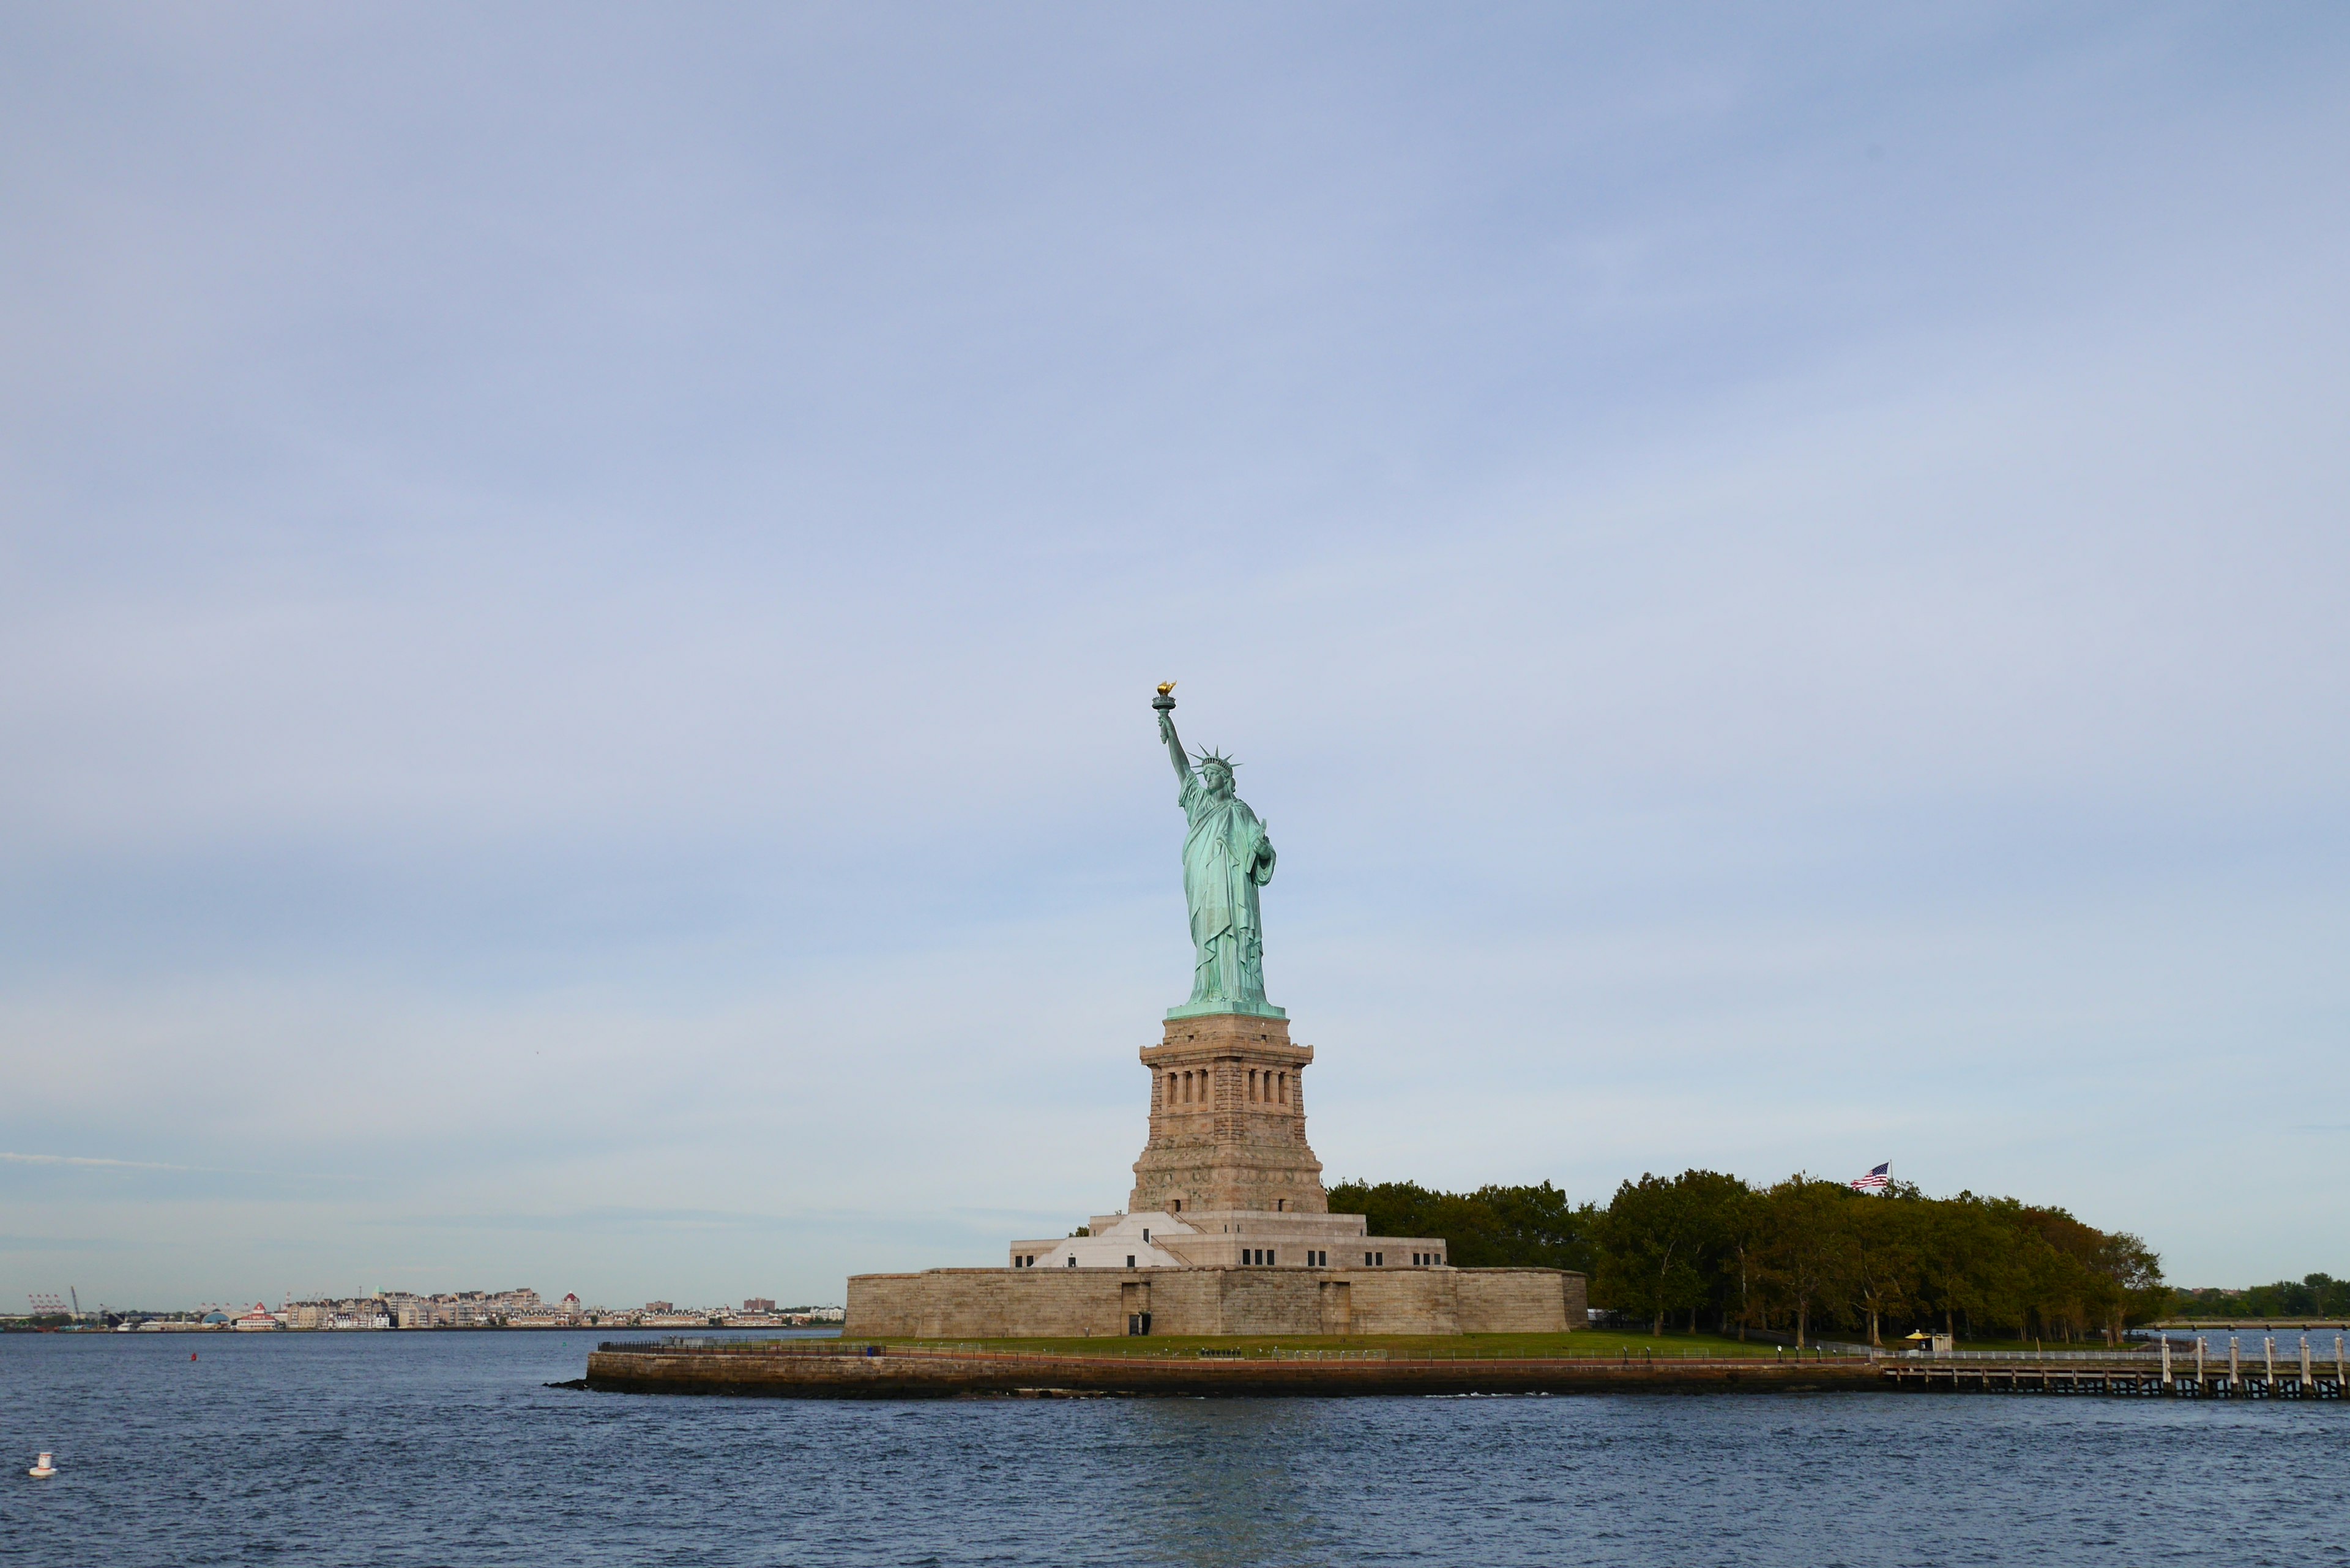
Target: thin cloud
(113, 1164)
(100, 1162)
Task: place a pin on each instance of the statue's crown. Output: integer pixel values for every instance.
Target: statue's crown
(1219, 757)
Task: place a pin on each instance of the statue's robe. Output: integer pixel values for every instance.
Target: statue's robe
(1226, 858)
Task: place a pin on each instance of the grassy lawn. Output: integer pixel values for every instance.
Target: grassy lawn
(1587, 1342)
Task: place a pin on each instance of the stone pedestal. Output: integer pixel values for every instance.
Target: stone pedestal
(1228, 1231)
(1227, 1121)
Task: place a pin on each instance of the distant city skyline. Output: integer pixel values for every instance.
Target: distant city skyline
(519, 1307)
(580, 592)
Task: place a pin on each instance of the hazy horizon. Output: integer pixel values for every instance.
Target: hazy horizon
(579, 589)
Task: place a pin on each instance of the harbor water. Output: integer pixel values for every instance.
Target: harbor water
(447, 1449)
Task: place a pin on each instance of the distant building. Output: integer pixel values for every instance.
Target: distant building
(518, 1308)
(759, 1305)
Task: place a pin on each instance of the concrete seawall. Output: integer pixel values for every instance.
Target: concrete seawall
(902, 1373)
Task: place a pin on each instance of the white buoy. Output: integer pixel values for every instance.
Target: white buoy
(44, 1468)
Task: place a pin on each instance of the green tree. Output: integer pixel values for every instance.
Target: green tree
(1726, 1205)
(2315, 1295)
(1884, 1256)
(1492, 1228)
(1816, 1250)
(2079, 1279)
(1538, 1228)
(1964, 1261)
(2132, 1273)
(1658, 1243)
(1743, 1221)
(1807, 1248)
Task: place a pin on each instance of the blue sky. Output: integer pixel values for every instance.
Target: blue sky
(579, 588)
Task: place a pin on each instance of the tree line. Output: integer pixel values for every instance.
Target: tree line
(2315, 1295)
(1799, 1256)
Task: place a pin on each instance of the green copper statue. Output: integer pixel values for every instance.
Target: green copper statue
(1226, 858)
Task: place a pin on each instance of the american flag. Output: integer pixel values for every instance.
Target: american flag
(1877, 1180)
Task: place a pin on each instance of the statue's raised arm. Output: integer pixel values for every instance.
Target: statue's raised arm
(1174, 747)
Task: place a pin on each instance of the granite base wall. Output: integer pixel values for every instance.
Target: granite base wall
(1070, 1303)
(807, 1371)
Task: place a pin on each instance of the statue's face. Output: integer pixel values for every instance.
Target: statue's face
(1218, 781)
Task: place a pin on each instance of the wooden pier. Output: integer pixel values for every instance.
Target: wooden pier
(2298, 1370)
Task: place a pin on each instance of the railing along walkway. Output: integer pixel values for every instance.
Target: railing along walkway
(2303, 1372)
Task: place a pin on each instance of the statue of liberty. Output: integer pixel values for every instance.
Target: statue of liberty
(1226, 858)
